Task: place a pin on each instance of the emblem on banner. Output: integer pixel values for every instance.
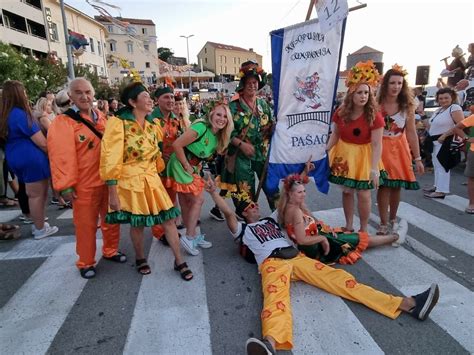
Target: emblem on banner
(308, 89)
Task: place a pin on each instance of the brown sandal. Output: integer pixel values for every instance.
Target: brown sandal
(142, 266)
(186, 274)
(383, 229)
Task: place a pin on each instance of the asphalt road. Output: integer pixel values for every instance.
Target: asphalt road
(47, 308)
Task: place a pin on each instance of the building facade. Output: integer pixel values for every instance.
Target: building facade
(131, 44)
(223, 59)
(36, 27)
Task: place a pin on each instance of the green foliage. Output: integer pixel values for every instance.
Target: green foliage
(164, 53)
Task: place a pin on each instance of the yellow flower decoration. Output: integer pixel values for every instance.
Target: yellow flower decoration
(362, 73)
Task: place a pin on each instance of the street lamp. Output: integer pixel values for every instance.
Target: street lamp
(189, 70)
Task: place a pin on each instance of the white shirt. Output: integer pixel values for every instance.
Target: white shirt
(262, 237)
(441, 121)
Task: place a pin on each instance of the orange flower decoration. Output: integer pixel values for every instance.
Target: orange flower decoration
(265, 314)
(284, 279)
(351, 283)
(292, 179)
(399, 68)
(318, 265)
(281, 306)
(270, 269)
(272, 289)
(362, 73)
(313, 229)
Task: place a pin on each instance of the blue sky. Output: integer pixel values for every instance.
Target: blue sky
(409, 32)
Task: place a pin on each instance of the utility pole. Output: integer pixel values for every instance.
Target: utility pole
(189, 70)
(70, 64)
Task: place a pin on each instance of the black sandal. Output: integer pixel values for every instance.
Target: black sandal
(184, 273)
(88, 273)
(118, 258)
(142, 266)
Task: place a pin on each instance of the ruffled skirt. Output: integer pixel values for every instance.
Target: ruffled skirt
(396, 158)
(350, 165)
(144, 202)
(180, 180)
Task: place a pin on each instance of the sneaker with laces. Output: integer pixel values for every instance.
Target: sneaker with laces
(425, 302)
(256, 346)
(45, 232)
(216, 213)
(203, 243)
(400, 228)
(189, 245)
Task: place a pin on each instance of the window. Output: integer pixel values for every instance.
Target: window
(147, 64)
(205, 60)
(225, 59)
(235, 60)
(113, 46)
(132, 64)
(110, 28)
(147, 47)
(144, 31)
(221, 69)
(99, 48)
(130, 47)
(205, 50)
(239, 60)
(225, 69)
(91, 44)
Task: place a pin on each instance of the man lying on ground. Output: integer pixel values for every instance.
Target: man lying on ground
(279, 263)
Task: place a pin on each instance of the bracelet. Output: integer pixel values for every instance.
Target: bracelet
(417, 159)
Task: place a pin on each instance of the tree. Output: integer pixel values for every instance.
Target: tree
(164, 53)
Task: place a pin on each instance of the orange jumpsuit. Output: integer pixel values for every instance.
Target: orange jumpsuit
(74, 154)
(172, 128)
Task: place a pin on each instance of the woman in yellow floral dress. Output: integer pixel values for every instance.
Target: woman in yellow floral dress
(130, 163)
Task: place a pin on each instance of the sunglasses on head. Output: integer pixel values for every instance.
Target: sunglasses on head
(251, 205)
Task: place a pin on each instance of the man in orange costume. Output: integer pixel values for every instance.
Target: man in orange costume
(171, 126)
(74, 153)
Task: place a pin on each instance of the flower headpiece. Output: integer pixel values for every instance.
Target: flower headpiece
(251, 68)
(212, 104)
(242, 200)
(362, 73)
(399, 69)
(293, 179)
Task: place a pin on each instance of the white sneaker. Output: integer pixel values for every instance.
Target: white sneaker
(189, 245)
(401, 228)
(46, 231)
(203, 243)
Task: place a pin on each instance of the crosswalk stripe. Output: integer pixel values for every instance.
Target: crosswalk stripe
(313, 308)
(66, 214)
(8, 215)
(33, 316)
(454, 201)
(170, 314)
(30, 248)
(447, 232)
(416, 245)
(454, 313)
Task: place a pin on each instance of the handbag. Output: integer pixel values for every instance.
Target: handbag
(449, 154)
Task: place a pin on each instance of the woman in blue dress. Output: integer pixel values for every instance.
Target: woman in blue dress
(25, 151)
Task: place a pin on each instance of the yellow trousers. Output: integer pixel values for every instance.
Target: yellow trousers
(90, 204)
(277, 274)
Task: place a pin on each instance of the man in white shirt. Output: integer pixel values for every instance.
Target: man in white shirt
(279, 262)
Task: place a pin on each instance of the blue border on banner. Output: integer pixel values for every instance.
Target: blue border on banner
(277, 47)
(276, 172)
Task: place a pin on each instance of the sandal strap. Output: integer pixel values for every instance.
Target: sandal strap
(180, 266)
